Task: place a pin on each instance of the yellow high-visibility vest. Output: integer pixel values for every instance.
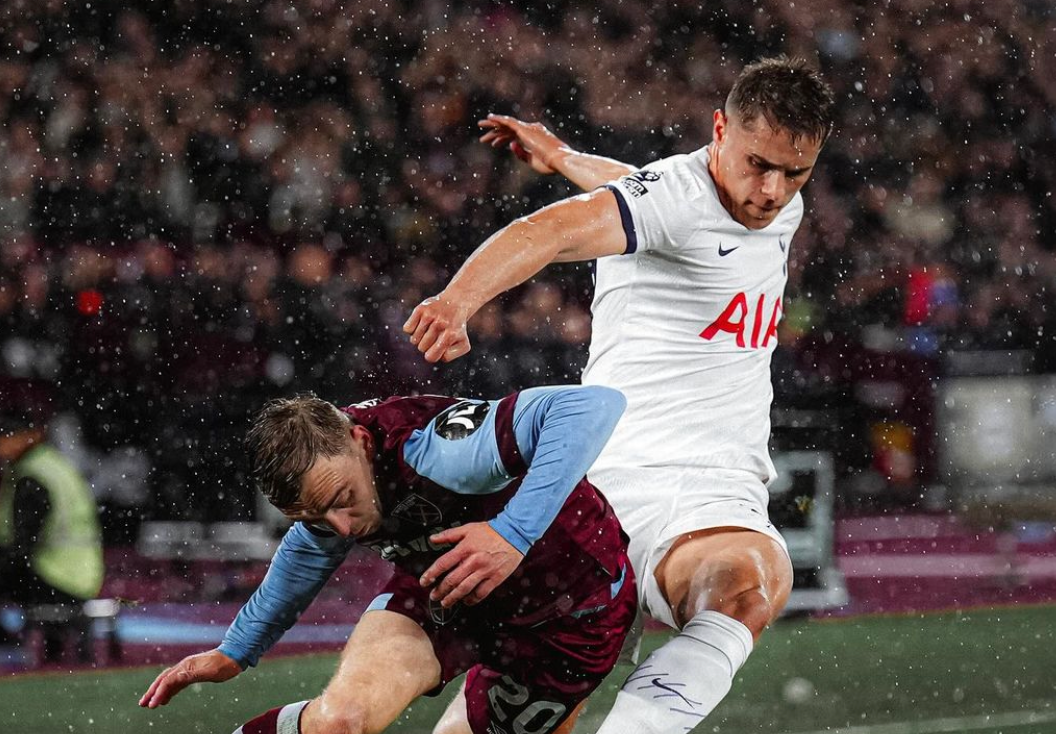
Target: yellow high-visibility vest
(69, 554)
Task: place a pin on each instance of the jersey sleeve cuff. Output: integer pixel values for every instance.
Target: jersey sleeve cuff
(625, 219)
(236, 655)
(511, 535)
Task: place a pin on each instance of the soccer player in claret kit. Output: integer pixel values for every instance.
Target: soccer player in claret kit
(534, 601)
(692, 256)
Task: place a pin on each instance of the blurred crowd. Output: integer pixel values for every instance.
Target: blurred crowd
(204, 204)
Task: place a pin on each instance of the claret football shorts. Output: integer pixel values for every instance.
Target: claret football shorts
(519, 678)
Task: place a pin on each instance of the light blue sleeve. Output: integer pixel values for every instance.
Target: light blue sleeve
(301, 567)
(469, 464)
(560, 431)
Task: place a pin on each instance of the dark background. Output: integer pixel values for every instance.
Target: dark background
(207, 204)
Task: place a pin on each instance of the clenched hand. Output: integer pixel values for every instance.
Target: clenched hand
(438, 328)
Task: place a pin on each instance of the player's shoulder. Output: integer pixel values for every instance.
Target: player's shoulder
(678, 186)
(685, 174)
(400, 411)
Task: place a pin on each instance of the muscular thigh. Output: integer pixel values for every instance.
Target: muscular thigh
(387, 663)
(740, 572)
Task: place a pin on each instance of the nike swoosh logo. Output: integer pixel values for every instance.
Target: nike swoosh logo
(724, 253)
(671, 692)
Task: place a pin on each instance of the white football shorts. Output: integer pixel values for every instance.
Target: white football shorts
(657, 505)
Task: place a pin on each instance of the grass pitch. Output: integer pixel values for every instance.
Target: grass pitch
(987, 671)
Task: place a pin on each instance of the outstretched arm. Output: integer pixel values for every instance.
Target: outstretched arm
(546, 153)
(584, 227)
(302, 565)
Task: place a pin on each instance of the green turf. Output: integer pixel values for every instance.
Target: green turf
(858, 673)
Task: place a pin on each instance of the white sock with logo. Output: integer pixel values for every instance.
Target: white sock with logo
(683, 681)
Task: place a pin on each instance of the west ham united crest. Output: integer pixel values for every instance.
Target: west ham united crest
(417, 510)
(442, 615)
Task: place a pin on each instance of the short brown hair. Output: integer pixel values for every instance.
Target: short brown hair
(788, 93)
(286, 438)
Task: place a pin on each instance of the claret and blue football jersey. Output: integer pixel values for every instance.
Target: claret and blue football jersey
(517, 463)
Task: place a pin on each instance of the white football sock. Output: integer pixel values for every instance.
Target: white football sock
(683, 681)
(289, 721)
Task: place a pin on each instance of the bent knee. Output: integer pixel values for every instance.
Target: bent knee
(752, 607)
(751, 592)
(350, 719)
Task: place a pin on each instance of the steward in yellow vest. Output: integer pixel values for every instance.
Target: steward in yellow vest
(50, 543)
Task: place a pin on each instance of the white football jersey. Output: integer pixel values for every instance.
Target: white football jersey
(685, 323)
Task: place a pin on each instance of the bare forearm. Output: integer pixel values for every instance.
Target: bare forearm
(584, 227)
(587, 171)
(505, 260)
(581, 228)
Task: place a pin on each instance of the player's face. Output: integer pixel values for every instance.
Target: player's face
(339, 491)
(757, 169)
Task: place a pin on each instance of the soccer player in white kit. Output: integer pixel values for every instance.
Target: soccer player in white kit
(692, 256)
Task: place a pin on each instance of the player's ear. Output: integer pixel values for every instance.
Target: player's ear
(719, 127)
(362, 437)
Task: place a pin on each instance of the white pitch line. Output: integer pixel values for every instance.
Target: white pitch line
(939, 726)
